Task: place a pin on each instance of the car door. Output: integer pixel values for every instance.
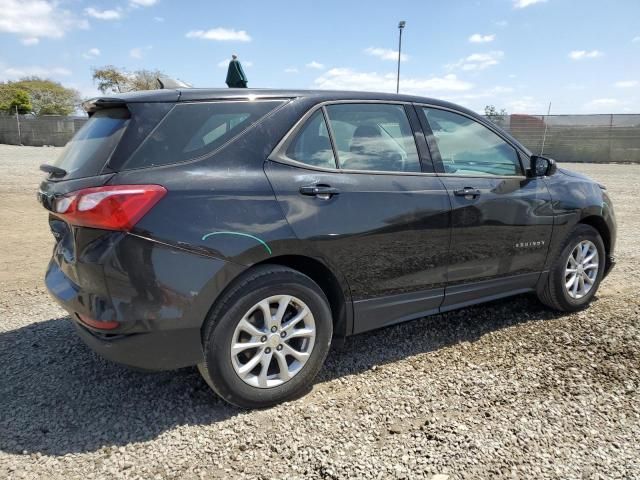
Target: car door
(501, 219)
(356, 192)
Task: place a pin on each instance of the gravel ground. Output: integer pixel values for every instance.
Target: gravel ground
(504, 390)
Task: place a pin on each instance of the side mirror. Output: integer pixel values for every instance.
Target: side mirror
(542, 166)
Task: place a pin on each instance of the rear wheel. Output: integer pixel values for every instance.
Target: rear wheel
(576, 272)
(267, 338)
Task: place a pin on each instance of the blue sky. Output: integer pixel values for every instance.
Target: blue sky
(583, 56)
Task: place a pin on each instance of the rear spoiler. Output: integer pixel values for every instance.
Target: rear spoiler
(163, 83)
(95, 104)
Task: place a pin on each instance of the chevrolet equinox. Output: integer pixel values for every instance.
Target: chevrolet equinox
(242, 230)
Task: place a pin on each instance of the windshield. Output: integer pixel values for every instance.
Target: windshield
(90, 149)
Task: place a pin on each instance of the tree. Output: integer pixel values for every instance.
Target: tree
(145, 80)
(12, 98)
(497, 117)
(46, 97)
(110, 79)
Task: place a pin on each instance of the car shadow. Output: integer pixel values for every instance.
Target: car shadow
(58, 397)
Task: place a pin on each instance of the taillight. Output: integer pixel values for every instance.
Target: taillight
(117, 207)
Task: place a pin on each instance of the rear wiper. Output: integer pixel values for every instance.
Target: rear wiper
(54, 171)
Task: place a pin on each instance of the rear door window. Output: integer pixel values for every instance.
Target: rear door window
(373, 136)
(192, 130)
(90, 149)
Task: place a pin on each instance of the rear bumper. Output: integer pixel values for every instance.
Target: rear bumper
(163, 350)
(158, 294)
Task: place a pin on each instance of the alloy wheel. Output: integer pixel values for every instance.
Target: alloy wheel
(273, 341)
(581, 269)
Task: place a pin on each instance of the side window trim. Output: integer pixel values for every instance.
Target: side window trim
(430, 138)
(329, 128)
(435, 152)
(419, 136)
(278, 154)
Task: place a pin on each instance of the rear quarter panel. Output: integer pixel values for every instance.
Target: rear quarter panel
(222, 205)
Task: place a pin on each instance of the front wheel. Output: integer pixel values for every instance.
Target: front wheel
(576, 273)
(267, 338)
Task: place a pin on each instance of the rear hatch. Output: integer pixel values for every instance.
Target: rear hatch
(88, 162)
(91, 210)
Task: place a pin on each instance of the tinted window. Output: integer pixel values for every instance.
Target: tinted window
(312, 145)
(469, 148)
(91, 147)
(373, 136)
(191, 130)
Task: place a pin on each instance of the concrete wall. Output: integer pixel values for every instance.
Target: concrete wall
(39, 131)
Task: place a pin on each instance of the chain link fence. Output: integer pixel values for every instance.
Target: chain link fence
(568, 138)
(578, 138)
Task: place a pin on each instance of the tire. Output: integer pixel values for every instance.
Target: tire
(238, 319)
(555, 293)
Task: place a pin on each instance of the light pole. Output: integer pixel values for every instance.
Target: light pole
(400, 28)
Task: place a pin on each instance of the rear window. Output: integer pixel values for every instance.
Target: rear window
(192, 130)
(91, 147)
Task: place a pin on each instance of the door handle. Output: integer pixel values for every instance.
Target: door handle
(321, 191)
(467, 192)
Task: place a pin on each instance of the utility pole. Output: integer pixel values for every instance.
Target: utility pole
(544, 137)
(18, 123)
(400, 28)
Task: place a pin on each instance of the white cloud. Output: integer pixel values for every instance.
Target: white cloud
(477, 61)
(225, 63)
(582, 54)
(291, 70)
(36, 19)
(386, 54)
(636, 39)
(626, 83)
(87, 91)
(103, 14)
(602, 104)
(491, 92)
(315, 65)
(159, 19)
(220, 34)
(349, 79)
(12, 73)
(91, 53)
(142, 3)
(525, 104)
(139, 52)
(479, 38)
(30, 41)
(526, 3)
(502, 23)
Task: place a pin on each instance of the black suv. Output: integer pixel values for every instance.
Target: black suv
(242, 230)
